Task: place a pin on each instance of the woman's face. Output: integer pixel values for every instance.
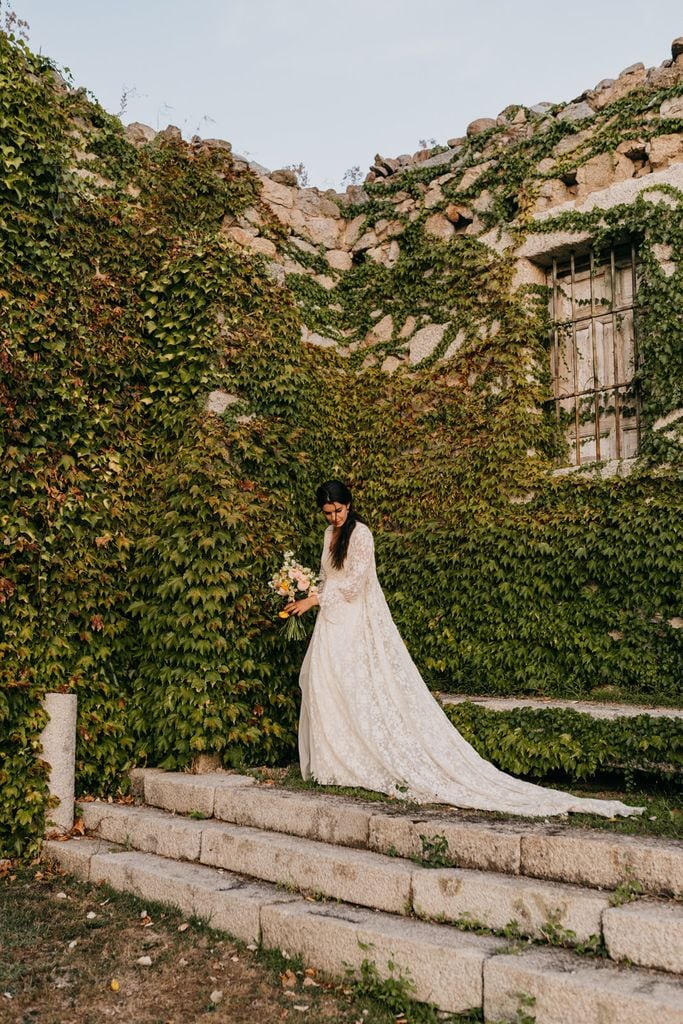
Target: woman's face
(335, 513)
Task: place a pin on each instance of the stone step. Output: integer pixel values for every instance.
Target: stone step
(593, 858)
(543, 910)
(458, 972)
(595, 709)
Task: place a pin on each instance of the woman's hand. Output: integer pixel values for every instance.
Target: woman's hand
(301, 606)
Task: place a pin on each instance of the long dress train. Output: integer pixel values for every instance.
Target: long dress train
(369, 720)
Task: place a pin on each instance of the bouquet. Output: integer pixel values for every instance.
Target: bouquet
(293, 580)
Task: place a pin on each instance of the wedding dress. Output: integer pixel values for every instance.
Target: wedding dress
(369, 720)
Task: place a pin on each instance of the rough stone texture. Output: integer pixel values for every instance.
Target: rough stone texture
(137, 780)
(492, 847)
(368, 240)
(355, 876)
(458, 214)
(386, 254)
(391, 364)
(222, 900)
(139, 134)
(602, 171)
(604, 860)
(323, 231)
(312, 338)
(672, 107)
(479, 125)
(437, 160)
(552, 243)
(576, 112)
(433, 197)
(551, 193)
(408, 327)
(58, 743)
(677, 48)
(665, 149)
(439, 226)
(149, 830)
(338, 259)
(445, 965)
(473, 173)
(182, 793)
(570, 143)
(285, 176)
(627, 81)
(74, 855)
(646, 933)
(314, 817)
(456, 344)
(495, 901)
(615, 195)
(248, 240)
(567, 991)
(218, 401)
(277, 194)
(541, 109)
(425, 341)
(381, 331)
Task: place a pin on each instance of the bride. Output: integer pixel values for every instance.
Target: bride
(367, 717)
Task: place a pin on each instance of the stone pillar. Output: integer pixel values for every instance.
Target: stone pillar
(58, 739)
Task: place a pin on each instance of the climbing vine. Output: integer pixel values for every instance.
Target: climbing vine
(138, 528)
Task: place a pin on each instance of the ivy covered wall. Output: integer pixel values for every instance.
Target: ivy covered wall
(139, 529)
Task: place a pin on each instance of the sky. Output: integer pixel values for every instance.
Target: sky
(330, 83)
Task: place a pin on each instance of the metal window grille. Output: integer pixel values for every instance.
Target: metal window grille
(594, 354)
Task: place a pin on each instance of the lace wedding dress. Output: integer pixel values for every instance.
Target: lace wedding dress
(369, 720)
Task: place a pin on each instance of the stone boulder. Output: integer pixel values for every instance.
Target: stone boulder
(540, 109)
(381, 331)
(672, 107)
(551, 193)
(425, 341)
(386, 254)
(479, 126)
(285, 176)
(338, 259)
(218, 401)
(439, 226)
(473, 173)
(664, 150)
(677, 48)
(391, 364)
(212, 144)
(576, 112)
(140, 134)
(602, 171)
(319, 340)
(629, 79)
(277, 194)
(459, 214)
(170, 134)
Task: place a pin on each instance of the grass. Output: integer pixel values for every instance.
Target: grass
(663, 816)
(70, 951)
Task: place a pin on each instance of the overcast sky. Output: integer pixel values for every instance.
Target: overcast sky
(329, 83)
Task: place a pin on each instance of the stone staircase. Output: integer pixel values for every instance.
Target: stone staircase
(339, 881)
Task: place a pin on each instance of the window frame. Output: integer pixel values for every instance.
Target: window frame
(622, 385)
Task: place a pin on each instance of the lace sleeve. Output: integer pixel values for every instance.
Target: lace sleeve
(322, 576)
(360, 557)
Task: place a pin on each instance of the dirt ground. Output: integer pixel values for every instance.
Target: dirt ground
(72, 953)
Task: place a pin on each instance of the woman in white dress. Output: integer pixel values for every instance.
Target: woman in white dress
(368, 718)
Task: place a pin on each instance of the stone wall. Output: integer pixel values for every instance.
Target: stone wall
(611, 142)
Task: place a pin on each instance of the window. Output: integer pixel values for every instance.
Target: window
(594, 354)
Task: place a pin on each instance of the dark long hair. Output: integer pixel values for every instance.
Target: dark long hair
(335, 492)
